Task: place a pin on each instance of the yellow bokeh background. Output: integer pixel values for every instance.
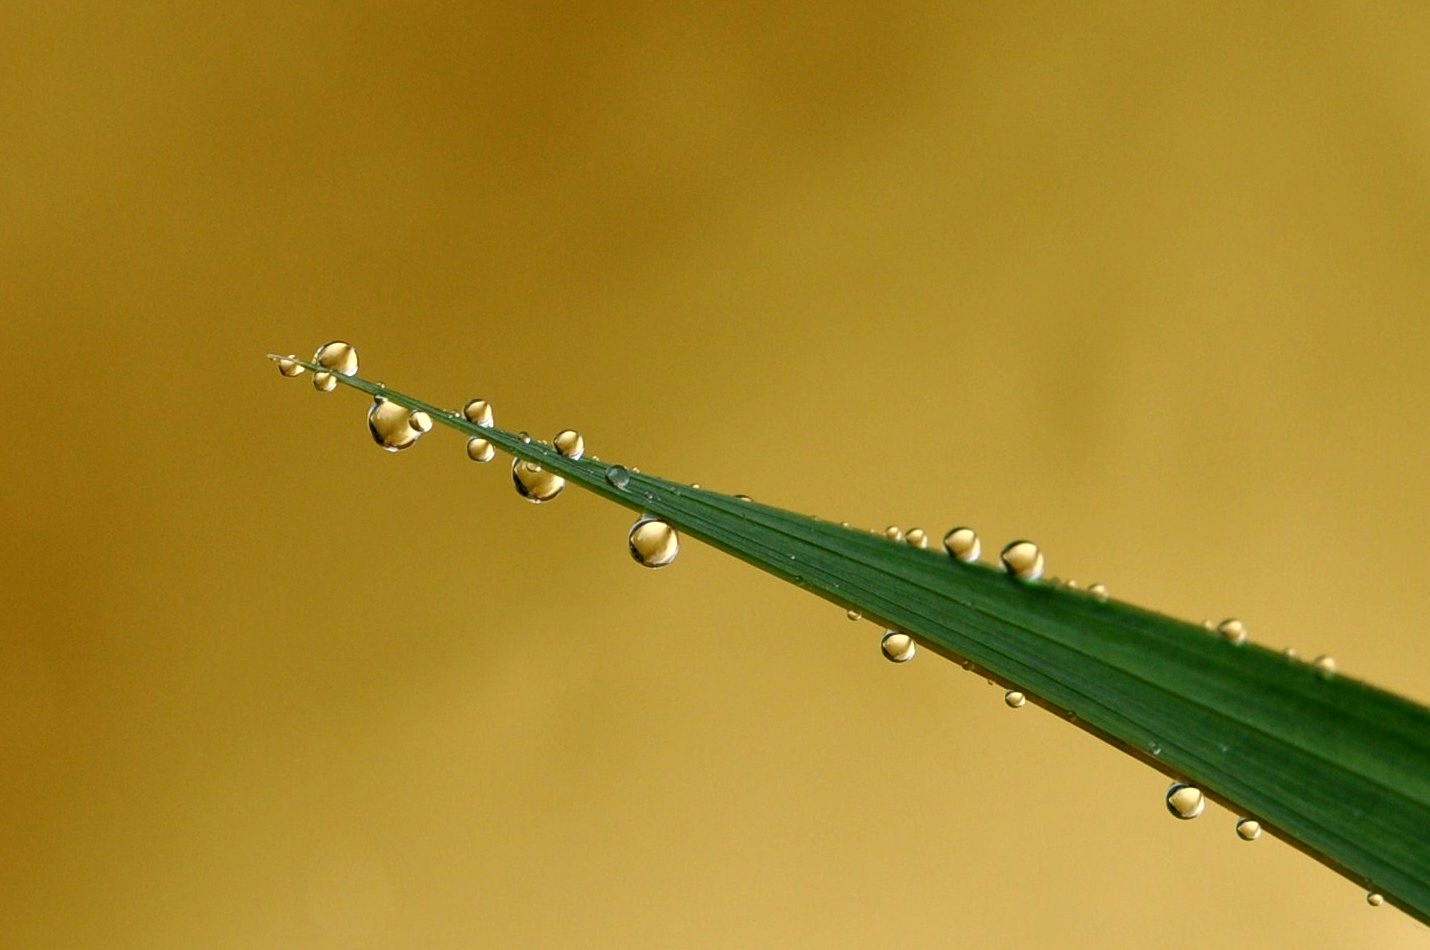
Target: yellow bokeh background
(1145, 283)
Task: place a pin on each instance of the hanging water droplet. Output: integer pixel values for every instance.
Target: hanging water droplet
(290, 367)
(1325, 664)
(569, 443)
(324, 382)
(917, 538)
(653, 543)
(1232, 630)
(394, 427)
(1374, 899)
(618, 476)
(963, 544)
(853, 614)
(480, 450)
(337, 356)
(1248, 829)
(898, 647)
(1023, 560)
(1014, 699)
(1098, 592)
(1185, 801)
(894, 533)
(535, 483)
(478, 412)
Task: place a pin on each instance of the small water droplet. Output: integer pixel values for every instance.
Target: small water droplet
(569, 443)
(653, 543)
(853, 614)
(963, 544)
(535, 483)
(290, 367)
(898, 647)
(524, 436)
(1155, 749)
(1374, 899)
(1023, 560)
(1185, 801)
(1325, 664)
(478, 412)
(1208, 626)
(1290, 653)
(618, 476)
(894, 533)
(1232, 630)
(337, 356)
(480, 450)
(843, 524)
(1098, 592)
(1071, 584)
(744, 498)
(1248, 829)
(917, 538)
(1014, 699)
(394, 427)
(324, 382)
(695, 485)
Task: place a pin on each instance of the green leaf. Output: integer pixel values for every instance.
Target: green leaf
(1336, 767)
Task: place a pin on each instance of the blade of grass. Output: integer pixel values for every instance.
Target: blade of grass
(1334, 766)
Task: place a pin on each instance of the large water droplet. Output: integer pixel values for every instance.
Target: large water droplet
(394, 427)
(1325, 664)
(478, 412)
(898, 647)
(337, 356)
(1232, 630)
(653, 542)
(569, 443)
(618, 476)
(324, 382)
(1023, 560)
(917, 538)
(1248, 829)
(1374, 899)
(963, 544)
(290, 367)
(1014, 699)
(1185, 801)
(535, 483)
(480, 450)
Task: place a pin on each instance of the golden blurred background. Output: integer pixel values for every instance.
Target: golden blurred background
(1145, 283)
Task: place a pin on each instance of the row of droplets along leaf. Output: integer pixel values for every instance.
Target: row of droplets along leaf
(654, 543)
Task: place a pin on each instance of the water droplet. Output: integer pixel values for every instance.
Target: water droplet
(917, 538)
(1374, 899)
(695, 485)
(338, 357)
(744, 498)
(898, 647)
(1023, 560)
(478, 412)
(1185, 801)
(653, 543)
(1248, 829)
(843, 524)
(1155, 749)
(569, 443)
(535, 483)
(1325, 664)
(1098, 592)
(1232, 630)
(394, 427)
(1290, 653)
(618, 476)
(853, 614)
(324, 382)
(290, 367)
(1208, 626)
(480, 450)
(1071, 584)
(1014, 699)
(894, 533)
(963, 544)
(524, 436)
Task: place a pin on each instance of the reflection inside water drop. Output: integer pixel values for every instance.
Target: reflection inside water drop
(393, 427)
(963, 544)
(1185, 801)
(337, 356)
(478, 412)
(618, 476)
(1248, 829)
(1023, 560)
(653, 543)
(480, 450)
(1014, 699)
(569, 443)
(898, 647)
